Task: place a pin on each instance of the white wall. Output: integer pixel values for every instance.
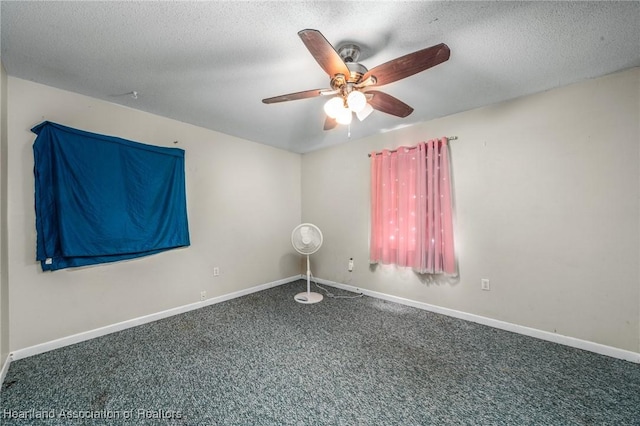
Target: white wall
(243, 200)
(547, 207)
(546, 191)
(4, 277)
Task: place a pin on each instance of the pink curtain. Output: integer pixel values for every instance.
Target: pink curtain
(411, 212)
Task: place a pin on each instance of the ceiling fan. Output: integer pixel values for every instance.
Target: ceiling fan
(352, 84)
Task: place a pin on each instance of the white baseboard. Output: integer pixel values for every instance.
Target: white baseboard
(102, 331)
(5, 368)
(527, 331)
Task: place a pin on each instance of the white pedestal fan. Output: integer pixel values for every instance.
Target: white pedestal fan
(306, 238)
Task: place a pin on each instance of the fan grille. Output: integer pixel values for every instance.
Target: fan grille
(306, 238)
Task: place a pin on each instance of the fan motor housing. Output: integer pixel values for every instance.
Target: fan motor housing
(357, 71)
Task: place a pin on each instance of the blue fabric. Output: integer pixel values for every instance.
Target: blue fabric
(102, 199)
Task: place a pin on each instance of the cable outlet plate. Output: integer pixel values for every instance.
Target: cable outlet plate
(203, 295)
(484, 284)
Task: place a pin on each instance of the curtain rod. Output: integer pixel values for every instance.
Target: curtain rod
(451, 138)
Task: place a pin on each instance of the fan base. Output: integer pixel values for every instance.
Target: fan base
(308, 297)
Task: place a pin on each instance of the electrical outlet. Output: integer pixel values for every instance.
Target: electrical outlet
(203, 295)
(216, 271)
(484, 284)
(350, 267)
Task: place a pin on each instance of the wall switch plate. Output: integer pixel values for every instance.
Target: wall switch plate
(484, 284)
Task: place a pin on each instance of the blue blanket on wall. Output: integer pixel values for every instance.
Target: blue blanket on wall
(102, 199)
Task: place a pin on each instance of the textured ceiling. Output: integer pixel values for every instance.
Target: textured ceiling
(211, 63)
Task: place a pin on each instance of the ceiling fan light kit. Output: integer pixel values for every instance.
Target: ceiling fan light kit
(351, 82)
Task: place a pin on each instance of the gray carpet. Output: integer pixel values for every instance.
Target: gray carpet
(264, 359)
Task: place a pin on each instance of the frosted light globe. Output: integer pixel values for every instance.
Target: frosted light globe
(356, 101)
(344, 116)
(333, 106)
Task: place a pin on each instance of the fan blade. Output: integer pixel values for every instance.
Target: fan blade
(408, 65)
(324, 53)
(388, 104)
(329, 123)
(298, 95)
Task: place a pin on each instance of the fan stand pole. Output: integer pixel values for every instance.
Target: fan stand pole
(309, 296)
(308, 276)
